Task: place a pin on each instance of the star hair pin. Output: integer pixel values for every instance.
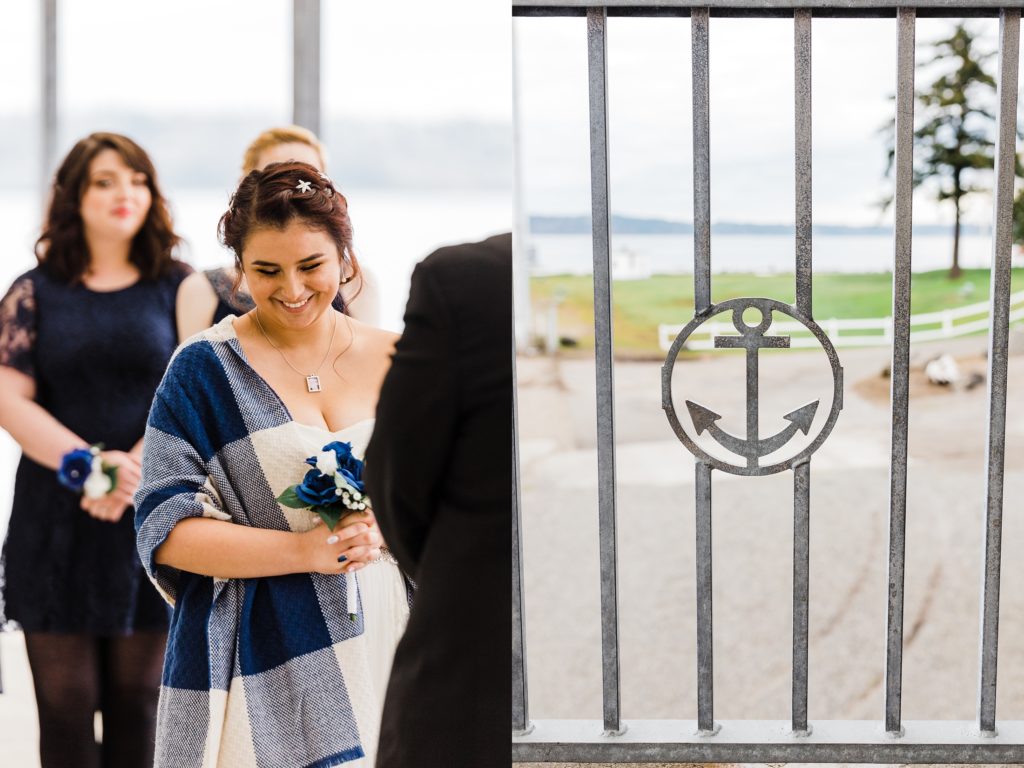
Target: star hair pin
(304, 186)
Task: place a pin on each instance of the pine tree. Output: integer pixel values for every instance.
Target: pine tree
(953, 139)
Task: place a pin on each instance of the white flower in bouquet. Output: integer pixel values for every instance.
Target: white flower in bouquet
(98, 484)
(327, 462)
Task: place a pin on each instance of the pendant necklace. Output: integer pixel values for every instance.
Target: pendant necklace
(312, 379)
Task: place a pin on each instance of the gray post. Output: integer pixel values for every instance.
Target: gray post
(604, 363)
(48, 153)
(900, 381)
(699, 32)
(804, 275)
(521, 241)
(306, 64)
(520, 698)
(1002, 241)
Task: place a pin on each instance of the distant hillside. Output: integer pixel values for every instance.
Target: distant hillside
(629, 225)
(205, 150)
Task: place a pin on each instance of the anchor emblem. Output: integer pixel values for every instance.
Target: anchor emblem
(752, 448)
(753, 338)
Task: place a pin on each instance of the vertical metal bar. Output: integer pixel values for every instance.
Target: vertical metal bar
(906, 18)
(521, 245)
(48, 153)
(804, 275)
(520, 706)
(520, 696)
(597, 49)
(306, 64)
(699, 30)
(802, 59)
(1006, 144)
(699, 24)
(801, 590)
(705, 650)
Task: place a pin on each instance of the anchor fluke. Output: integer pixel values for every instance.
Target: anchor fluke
(802, 416)
(703, 418)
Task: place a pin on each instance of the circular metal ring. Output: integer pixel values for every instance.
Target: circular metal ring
(737, 306)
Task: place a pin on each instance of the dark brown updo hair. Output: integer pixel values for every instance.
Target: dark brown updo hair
(61, 248)
(277, 195)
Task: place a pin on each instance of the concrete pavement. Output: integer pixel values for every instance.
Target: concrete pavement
(753, 544)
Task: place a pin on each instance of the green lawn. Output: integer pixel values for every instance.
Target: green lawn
(640, 305)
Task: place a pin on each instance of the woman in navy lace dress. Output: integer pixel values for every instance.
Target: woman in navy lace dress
(84, 340)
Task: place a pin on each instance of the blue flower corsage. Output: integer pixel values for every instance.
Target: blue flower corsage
(83, 471)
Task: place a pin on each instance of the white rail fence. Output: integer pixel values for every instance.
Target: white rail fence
(866, 332)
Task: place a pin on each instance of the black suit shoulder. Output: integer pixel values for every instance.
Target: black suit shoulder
(493, 253)
(473, 281)
(474, 274)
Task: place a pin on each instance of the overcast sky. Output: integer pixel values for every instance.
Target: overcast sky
(415, 61)
(401, 60)
(751, 72)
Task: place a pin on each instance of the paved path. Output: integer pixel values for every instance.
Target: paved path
(753, 545)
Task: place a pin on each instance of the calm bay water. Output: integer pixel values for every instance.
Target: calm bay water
(671, 254)
(393, 231)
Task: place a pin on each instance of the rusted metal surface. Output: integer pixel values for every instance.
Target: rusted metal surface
(701, 163)
(601, 223)
(802, 161)
(1006, 143)
(769, 741)
(520, 696)
(900, 379)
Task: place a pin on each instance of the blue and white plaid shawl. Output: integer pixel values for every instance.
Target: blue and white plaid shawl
(258, 672)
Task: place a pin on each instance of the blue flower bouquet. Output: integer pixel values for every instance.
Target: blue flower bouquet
(332, 489)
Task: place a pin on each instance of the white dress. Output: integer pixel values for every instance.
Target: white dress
(382, 590)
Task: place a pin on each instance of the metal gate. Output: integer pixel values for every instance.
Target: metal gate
(797, 739)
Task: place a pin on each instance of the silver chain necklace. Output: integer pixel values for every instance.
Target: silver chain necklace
(312, 379)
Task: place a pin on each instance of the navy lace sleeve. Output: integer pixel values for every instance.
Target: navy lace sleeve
(18, 327)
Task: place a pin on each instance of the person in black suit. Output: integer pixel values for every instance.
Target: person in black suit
(439, 471)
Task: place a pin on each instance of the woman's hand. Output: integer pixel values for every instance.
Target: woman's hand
(353, 543)
(365, 546)
(111, 508)
(107, 508)
(129, 472)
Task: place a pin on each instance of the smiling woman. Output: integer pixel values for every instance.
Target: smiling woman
(242, 408)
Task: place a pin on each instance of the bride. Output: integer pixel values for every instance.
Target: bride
(265, 664)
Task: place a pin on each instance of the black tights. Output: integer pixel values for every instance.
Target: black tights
(76, 675)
